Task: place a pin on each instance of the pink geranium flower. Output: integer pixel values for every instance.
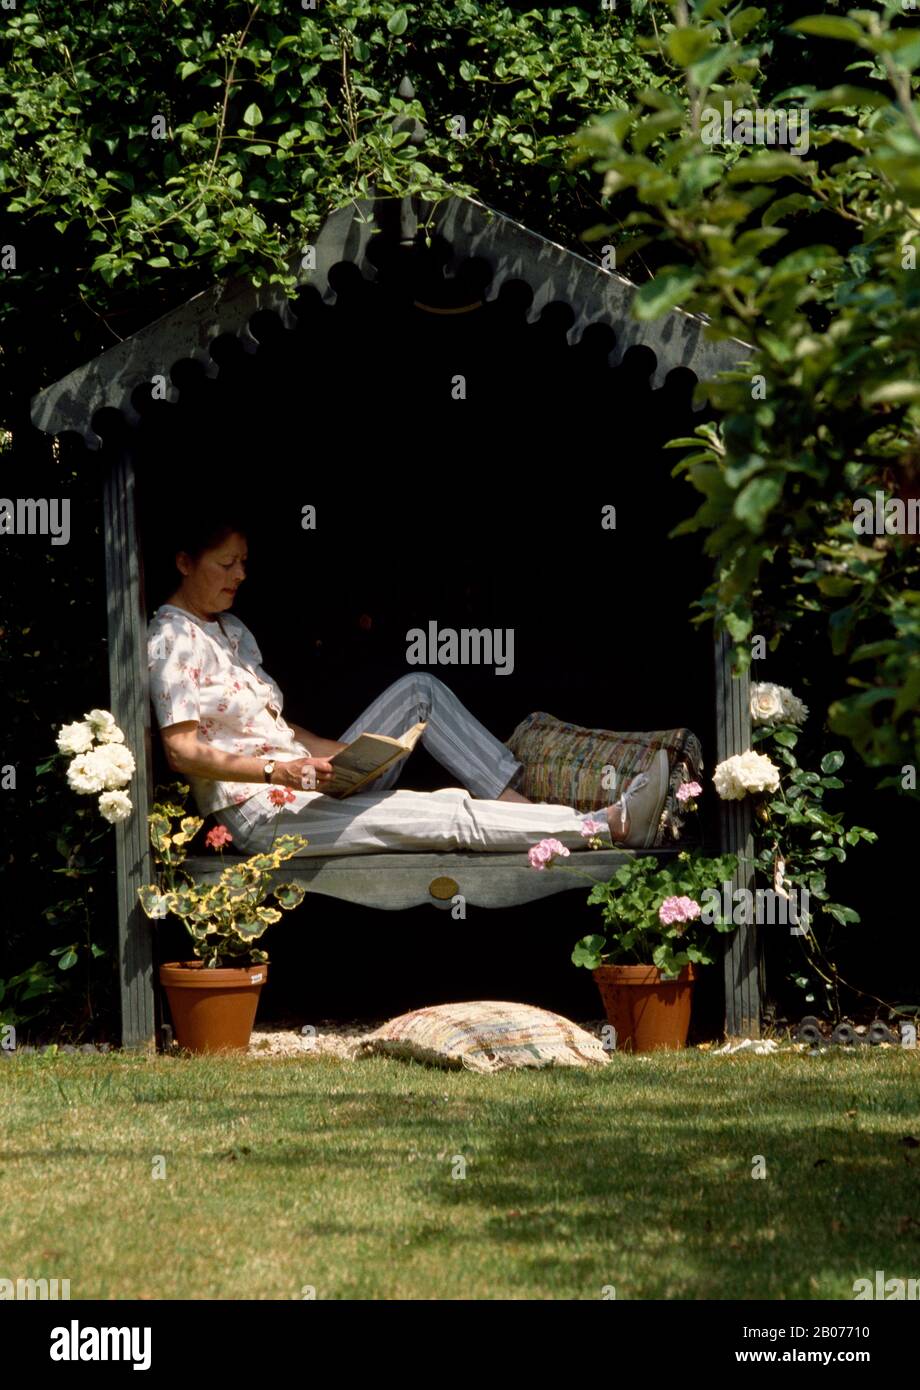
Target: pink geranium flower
(281, 796)
(590, 826)
(688, 790)
(542, 854)
(678, 910)
(218, 837)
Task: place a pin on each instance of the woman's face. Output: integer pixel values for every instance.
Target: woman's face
(211, 581)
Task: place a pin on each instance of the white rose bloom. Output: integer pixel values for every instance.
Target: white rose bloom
(115, 806)
(104, 727)
(773, 704)
(116, 765)
(743, 773)
(766, 702)
(794, 711)
(757, 773)
(75, 738)
(85, 775)
(726, 781)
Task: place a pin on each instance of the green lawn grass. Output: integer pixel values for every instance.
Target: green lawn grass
(291, 1174)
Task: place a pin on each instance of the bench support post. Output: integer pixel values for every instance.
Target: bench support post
(742, 960)
(127, 629)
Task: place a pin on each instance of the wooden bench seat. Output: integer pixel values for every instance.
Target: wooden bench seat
(393, 880)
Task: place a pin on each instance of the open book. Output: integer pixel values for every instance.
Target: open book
(366, 758)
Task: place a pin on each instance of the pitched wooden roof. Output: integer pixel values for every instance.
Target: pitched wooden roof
(553, 272)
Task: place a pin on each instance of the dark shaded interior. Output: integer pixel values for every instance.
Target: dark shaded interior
(484, 512)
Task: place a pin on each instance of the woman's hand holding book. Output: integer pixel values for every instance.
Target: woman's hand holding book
(296, 774)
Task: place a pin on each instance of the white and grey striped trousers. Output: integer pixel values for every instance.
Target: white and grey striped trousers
(468, 817)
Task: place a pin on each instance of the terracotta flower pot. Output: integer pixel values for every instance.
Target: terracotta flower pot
(648, 1013)
(212, 1010)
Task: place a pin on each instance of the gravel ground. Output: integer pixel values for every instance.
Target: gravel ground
(330, 1038)
(326, 1038)
(335, 1039)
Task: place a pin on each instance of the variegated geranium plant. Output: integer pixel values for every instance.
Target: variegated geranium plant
(226, 918)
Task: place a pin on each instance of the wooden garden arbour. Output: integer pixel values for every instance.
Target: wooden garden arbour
(490, 880)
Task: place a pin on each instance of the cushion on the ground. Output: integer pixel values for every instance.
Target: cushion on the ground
(564, 764)
(486, 1036)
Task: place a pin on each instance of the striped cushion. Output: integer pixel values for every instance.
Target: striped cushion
(486, 1036)
(564, 764)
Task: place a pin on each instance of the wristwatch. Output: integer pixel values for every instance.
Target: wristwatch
(267, 771)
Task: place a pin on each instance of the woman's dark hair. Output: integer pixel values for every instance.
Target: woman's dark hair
(195, 533)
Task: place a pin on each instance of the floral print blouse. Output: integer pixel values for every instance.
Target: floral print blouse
(212, 673)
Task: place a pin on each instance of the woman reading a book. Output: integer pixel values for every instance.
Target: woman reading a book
(220, 718)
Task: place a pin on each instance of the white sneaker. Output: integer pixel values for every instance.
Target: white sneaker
(641, 805)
